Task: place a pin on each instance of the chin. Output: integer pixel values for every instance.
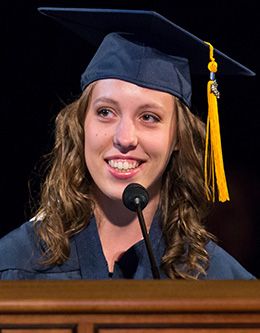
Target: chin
(113, 193)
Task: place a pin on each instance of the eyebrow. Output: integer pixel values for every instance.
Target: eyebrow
(106, 100)
(151, 105)
(114, 102)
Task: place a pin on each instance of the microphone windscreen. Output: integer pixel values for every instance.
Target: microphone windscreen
(132, 192)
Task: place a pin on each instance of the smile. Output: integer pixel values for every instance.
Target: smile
(123, 165)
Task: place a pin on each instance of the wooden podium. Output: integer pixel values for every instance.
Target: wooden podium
(119, 306)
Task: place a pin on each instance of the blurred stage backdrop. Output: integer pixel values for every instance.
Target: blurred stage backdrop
(40, 73)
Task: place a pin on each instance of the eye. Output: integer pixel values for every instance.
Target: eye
(150, 118)
(105, 113)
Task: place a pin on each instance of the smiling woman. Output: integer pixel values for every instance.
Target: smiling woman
(127, 125)
(132, 124)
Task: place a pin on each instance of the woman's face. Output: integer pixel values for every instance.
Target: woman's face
(130, 133)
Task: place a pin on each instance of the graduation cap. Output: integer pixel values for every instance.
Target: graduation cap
(145, 48)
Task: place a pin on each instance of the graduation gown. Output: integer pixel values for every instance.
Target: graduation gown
(20, 255)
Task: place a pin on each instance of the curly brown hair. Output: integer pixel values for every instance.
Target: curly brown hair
(184, 205)
(66, 206)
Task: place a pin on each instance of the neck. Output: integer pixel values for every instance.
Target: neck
(118, 227)
(114, 213)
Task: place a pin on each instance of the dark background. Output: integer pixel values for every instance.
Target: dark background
(40, 71)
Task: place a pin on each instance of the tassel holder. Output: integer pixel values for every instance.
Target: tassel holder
(214, 173)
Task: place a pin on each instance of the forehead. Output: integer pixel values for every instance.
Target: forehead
(119, 90)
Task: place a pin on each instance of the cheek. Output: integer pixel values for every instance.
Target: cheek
(95, 140)
(91, 140)
(165, 143)
(91, 143)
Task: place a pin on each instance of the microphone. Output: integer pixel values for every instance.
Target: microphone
(135, 198)
(134, 195)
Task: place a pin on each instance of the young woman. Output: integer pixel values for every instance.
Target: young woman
(132, 124)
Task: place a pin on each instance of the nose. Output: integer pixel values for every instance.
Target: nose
(125, 137)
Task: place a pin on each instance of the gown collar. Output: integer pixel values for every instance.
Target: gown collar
(133, 264)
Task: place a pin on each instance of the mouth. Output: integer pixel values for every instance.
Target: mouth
(123, 165)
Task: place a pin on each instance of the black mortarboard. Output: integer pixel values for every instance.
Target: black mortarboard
(147, 49)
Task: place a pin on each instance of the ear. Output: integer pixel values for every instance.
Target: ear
(175, 146)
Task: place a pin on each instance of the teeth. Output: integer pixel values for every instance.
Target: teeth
(123, 165)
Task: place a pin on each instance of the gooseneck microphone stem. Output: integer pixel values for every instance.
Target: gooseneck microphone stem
(154, 268)
(135, 197)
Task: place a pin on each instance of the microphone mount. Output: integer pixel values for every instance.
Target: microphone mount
(135, 197)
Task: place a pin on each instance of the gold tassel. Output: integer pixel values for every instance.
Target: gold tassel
(213, 164)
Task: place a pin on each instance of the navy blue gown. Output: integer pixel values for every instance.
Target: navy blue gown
(20, 255)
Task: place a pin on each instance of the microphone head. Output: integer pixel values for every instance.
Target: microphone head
(134, 195)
